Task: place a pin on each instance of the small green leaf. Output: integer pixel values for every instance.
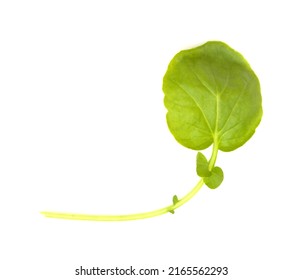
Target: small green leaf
(202, 166)
(175, 199)
(215, 179)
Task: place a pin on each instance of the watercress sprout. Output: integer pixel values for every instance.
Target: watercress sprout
(213, 98)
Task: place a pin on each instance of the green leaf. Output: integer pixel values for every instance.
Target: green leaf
(212, 95)
(202, 166)
(215, 179)
(175, 199)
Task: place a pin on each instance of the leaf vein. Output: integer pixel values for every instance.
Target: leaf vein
(206, 120)
(206, 86)
(235, 105)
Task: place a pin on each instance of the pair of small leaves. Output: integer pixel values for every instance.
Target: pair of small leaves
(212, 178)
(175, 200)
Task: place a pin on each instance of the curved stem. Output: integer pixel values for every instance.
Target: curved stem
(170, 208)
(213, 156)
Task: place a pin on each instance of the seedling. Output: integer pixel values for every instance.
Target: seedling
(213, 99)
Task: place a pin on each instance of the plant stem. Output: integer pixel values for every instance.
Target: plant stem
(213, 156)
(109, 218)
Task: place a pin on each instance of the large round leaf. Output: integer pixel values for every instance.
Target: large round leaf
(212, 95)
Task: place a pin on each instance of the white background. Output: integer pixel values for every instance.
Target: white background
(82, 129)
